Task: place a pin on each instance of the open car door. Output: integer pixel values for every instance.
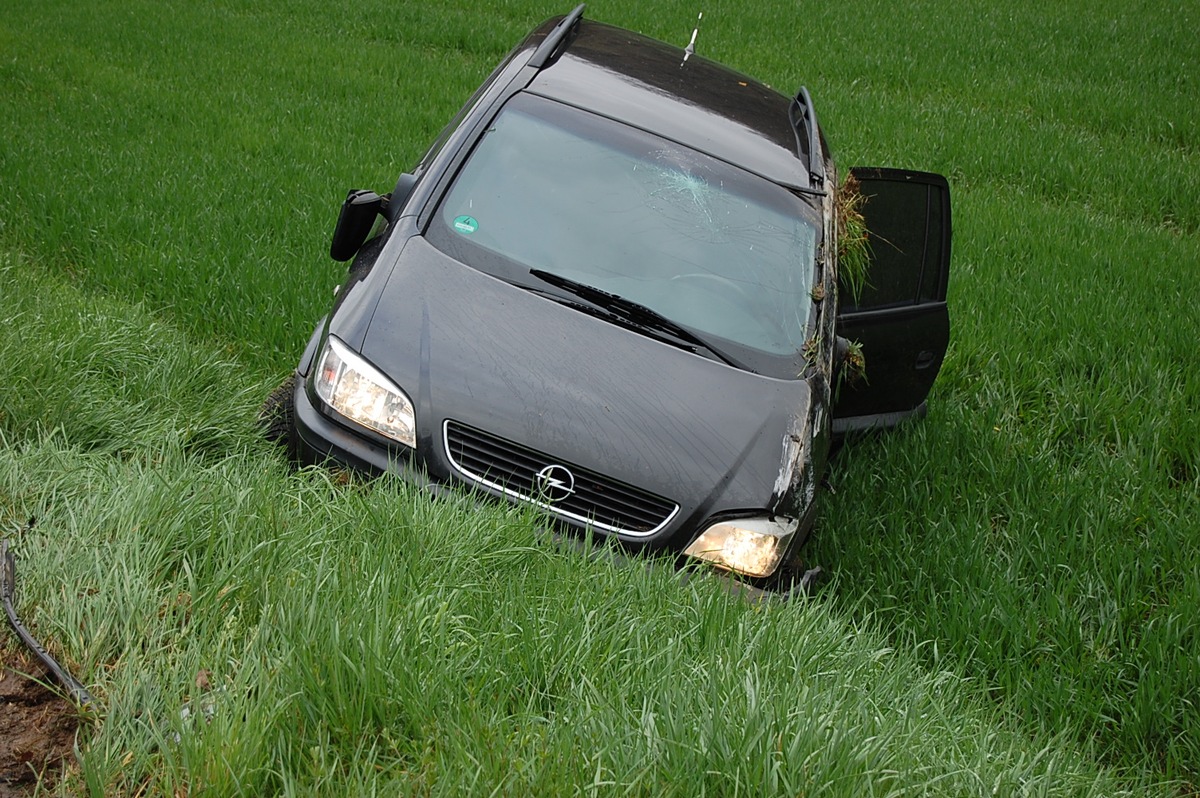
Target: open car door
(900, 317)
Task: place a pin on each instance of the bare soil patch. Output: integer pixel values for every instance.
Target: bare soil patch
(37, 726)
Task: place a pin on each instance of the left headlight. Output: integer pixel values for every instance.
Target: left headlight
(750, 546)
(359, 391)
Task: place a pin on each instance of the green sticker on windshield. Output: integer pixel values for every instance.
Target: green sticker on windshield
(466, 224)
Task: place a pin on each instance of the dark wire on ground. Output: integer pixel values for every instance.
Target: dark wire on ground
(8, 587)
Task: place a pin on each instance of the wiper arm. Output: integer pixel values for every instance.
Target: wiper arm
(634, 312)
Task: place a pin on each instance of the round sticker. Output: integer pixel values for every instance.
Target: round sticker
(466, 224)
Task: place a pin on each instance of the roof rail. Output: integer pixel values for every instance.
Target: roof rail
(556, 37)
(808, 118)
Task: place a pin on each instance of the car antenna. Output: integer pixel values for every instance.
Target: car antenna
(691, 48)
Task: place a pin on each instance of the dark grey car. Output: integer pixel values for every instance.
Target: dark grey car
(610, 289)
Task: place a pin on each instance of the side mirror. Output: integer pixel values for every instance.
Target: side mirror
(355, 222)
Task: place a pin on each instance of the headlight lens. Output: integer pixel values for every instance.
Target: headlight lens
(750, 546)
(357, 390)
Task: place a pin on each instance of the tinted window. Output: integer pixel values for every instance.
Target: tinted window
(905, 239)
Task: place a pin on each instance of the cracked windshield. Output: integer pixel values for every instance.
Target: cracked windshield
(714, 248)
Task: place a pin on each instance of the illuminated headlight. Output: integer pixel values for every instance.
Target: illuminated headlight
(357, 390)
(751, 546)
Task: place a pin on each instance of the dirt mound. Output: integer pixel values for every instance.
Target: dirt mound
(37, 726)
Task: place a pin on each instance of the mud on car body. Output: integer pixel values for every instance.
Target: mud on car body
(610, 289)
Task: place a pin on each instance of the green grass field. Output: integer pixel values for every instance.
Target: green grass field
(1017, 577)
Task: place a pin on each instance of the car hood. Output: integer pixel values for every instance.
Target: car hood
(473, 349)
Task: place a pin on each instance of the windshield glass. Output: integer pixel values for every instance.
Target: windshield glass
(710, 246)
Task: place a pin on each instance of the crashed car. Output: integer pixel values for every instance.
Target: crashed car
(610, 289)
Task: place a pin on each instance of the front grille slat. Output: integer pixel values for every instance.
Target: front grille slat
(625, 506)
(604, 503)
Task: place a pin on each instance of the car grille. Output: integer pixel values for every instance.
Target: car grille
(603, 503)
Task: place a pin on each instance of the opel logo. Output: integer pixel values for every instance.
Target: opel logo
(554, 483)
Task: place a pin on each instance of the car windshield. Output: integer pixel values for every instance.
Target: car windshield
(712, 247)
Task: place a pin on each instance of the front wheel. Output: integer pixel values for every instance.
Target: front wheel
(277, 415)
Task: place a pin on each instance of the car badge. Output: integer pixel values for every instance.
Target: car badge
(554, 483)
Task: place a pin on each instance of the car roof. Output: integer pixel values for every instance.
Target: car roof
(694, 101)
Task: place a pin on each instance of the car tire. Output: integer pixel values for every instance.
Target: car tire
(277, 415)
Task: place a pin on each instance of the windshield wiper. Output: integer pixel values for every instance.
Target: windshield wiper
(634, 313)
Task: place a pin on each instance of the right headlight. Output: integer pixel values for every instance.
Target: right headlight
(751, 546)
(359, 391)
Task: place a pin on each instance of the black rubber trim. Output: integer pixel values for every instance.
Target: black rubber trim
(842, 426)
(555, 38)
(808, 120)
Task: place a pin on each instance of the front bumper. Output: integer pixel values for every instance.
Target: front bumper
(321, 440)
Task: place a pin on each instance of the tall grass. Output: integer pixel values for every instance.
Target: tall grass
(1015, 602)
(251, 632)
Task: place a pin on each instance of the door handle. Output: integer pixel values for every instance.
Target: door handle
(924, 359)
